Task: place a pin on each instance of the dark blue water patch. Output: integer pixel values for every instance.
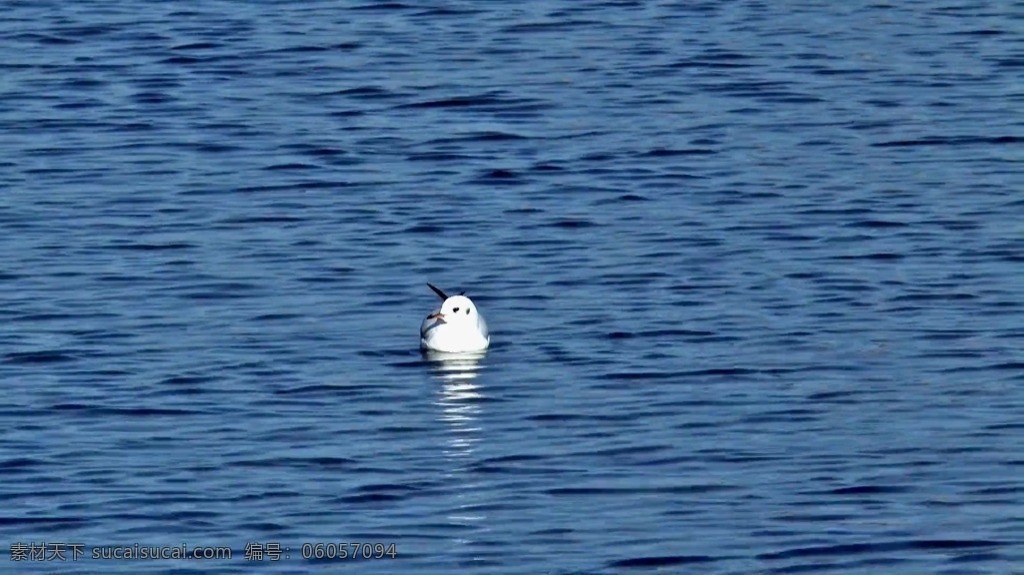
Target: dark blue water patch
(933, 296)
(400, 429)
(883, 547)
(53, 523)
(740, 457)
(547, 167)
(795, 415)
(506, 460)
(626, 451)
(56, 124)
(633, 278)
(955, 225)
(51, 152)
(484, 136)
(600, 157)
(1005, 426)
(44, 39)
(277, 494)
(439, 157)
(871, 563)
(547, 27)
(315, 48)
(447, 12)
(84, 104)
(394, 352)
(220, 291)
(265, 528)
(876, 256)
(367, 93)
(263, 219)
(381, 7)
(1008, 254)
(190, 379)
(855, 490)
(152, 98)
(700, 63)
(661, 490)
(784, 236)
(571, 417)
(499, 177)
(290, 167)
(832, 71)
(693, 286)
(20, 465)
(622, 199)
(300, 186)
(661, 333)
(660, 562)
(211, 148)
(39, 357)
(425, 229)
(88, 31)
(198, 46)
(378, 493)
(1002, 490)
(1009, 63)
(782, 97)
(680, 375)
(276, 317)
(668, 153)
(50, 317)
(310, 463)
(950, 141)
(141, 412)
(747, 87)
(980, 32)
(184, 60)
(150, 247)
(332, 155)
(838, 396)
(489, 100)
(880, 103)
(791, 517)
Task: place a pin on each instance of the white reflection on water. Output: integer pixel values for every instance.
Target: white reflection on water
(459, 398)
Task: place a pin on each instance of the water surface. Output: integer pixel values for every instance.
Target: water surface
(753, 274)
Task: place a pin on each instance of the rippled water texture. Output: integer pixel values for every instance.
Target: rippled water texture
(753, 272)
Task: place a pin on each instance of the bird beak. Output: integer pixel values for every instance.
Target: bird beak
(438, 315)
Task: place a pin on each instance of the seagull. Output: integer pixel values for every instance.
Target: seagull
(455, 327)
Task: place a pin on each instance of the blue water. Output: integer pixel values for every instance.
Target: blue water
(753, 270)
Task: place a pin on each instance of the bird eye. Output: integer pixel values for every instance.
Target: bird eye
(456, 310)
(467, 311)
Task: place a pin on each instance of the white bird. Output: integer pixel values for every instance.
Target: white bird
(455, 327)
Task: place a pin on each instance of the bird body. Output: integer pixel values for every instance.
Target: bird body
(455, 327)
